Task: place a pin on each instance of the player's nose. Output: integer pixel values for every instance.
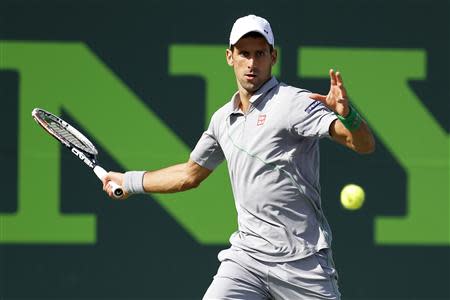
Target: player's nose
(251, 62)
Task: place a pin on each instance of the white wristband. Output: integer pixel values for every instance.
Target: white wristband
(133, 182)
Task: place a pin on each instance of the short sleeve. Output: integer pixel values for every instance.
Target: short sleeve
(310, 118)
(208, 153)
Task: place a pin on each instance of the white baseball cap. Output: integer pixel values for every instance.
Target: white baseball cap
(251, 23)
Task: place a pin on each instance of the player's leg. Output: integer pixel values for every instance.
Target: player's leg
(234, 281)
(313, 277)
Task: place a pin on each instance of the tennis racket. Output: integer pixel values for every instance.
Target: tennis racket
(75, 141)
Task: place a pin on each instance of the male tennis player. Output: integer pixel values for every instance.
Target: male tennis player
(269, 135)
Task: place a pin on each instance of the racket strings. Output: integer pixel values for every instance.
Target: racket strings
(68, 136)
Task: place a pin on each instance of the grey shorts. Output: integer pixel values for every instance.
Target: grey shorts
(240, 276)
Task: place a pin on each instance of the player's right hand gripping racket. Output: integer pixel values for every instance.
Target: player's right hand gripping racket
(75, 141)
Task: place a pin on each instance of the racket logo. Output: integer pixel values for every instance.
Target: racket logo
(82, 157)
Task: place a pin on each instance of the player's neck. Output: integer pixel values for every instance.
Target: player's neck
(244, 106)
(244, 100)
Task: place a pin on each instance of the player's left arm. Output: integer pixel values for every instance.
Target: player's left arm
(358, 136)
(360, 140)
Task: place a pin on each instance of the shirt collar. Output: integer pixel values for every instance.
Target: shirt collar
(261, 91)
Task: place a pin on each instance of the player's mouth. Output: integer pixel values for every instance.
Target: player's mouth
(250, 76)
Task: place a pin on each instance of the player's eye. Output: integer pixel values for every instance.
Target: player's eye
(260, 53)
(245, 54)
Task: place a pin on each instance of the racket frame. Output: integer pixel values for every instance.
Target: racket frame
(89, 158)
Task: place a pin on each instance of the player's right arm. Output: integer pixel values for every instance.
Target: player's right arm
(172, 179)
(176, 178)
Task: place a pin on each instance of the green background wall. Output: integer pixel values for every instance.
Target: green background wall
(143, 77)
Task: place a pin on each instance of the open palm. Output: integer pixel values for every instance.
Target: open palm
(336, 100)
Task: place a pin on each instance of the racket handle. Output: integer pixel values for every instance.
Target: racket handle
(116, 189)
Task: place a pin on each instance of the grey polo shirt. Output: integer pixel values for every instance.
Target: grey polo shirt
(272, 153)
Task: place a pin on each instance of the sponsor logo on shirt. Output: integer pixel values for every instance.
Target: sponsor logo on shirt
(261, 120)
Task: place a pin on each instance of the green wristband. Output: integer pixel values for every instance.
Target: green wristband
(352, 121)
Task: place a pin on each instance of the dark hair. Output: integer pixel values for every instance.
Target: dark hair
(253, 34)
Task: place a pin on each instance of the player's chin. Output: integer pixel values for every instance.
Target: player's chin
(251, 87)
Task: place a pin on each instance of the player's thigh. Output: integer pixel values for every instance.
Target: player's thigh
(233, 281)
(313, 277)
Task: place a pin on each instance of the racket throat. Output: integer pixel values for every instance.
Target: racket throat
(83, 157)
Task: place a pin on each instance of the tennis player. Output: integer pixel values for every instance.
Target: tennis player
(269, 135)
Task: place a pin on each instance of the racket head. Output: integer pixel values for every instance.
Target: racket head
(64, 132)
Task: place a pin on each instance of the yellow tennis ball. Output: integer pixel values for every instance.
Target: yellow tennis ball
(352, 196)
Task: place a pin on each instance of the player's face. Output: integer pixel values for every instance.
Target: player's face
(252, 62)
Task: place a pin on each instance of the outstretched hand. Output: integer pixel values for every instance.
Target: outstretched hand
(336, 100)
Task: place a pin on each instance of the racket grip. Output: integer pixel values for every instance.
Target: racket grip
(116, 189)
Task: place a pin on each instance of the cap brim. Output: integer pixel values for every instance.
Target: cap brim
(237, 38)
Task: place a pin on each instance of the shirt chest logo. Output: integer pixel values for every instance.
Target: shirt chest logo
(261, 120)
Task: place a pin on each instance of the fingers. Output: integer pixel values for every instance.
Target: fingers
(336, 78)
(333, 78)
(109, 190)
(112, 177)
(339, 79)
(340, 84)
(106, 185)
(318, 97)
(105, 181)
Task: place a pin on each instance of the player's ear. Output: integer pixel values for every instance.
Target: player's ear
(274, 56)
(229, 56)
